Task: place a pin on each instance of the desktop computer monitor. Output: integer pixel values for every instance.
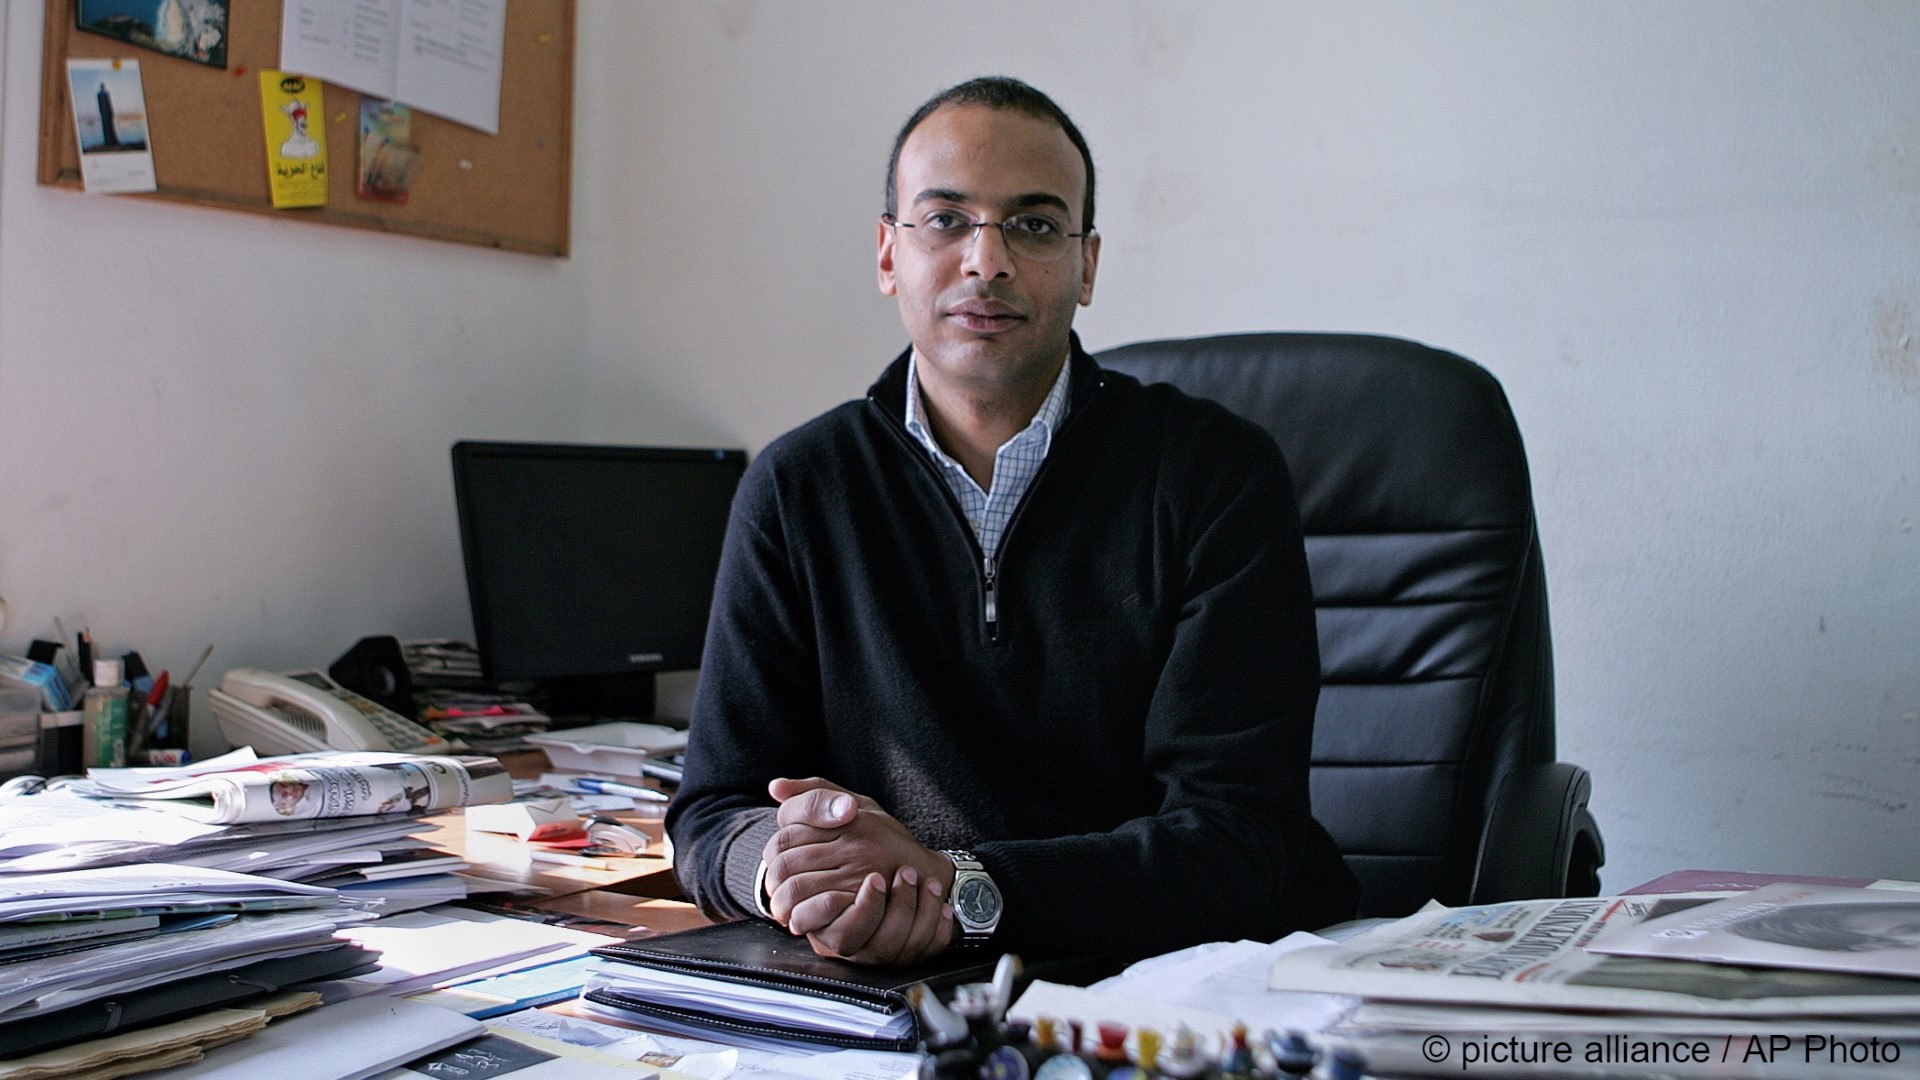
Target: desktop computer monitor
(590, 568)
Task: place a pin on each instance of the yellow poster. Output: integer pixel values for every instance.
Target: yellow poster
(296, 139)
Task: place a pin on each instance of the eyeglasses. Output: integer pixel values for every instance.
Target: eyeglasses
(1035, 237)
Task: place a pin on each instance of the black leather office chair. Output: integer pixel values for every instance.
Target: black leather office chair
(1433, 748)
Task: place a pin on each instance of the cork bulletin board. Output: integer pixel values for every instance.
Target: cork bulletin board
(509, 190)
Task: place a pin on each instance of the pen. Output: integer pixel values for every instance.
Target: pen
(571, 860)
(155, 725)
(608, 787)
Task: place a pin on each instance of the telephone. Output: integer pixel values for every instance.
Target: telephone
(301, 711)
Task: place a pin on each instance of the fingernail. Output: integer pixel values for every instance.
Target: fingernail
(909, 877)
(946, 912)
(936, 888)
(840, 805)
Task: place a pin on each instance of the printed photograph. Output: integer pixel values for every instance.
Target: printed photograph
(192, 29)
(109, 107)
(388, 157)
(110, 125)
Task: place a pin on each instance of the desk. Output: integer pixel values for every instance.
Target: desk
(642, 892)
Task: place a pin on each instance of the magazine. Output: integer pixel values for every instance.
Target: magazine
(1535, 954)
(1791, 925)
(239, 787)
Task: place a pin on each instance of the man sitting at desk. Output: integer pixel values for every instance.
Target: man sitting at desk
(1040, 639)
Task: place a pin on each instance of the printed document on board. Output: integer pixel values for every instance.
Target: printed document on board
(437, 56)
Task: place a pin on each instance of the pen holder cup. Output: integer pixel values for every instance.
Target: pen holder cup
(19, 731)
(60, 744)
(168, 745)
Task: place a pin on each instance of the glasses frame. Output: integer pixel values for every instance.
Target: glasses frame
(1006, 238)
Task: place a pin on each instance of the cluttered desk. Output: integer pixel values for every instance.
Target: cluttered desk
(187, 922)
(427, 859)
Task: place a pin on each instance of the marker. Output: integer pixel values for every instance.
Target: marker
(571, 860)
(608, 787)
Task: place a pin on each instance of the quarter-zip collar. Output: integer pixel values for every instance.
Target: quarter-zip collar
(889, 392)
(889, 396)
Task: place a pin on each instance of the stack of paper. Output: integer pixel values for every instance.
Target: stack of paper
(369, 858)
(792, 1010)
(97, 950)
(1787, 982)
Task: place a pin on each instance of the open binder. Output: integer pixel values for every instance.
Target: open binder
(703, 970)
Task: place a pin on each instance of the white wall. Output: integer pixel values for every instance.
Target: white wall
(218, 427)
(1686, 237)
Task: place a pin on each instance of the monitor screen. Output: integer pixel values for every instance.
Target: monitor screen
(588, 562)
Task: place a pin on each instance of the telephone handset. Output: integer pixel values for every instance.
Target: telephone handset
(302, 711)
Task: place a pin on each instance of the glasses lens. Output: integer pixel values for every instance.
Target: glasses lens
(1034, 236)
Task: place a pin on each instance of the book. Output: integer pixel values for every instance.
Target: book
(752, 977)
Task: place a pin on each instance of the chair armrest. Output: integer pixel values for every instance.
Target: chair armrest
(1540, 841)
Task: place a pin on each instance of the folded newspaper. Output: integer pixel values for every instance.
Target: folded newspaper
(1821, 927)
(1535, 954)
(240, 787)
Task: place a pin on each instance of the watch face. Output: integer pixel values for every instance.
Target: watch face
(976, 901)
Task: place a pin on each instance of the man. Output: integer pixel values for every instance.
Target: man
(1015, 652)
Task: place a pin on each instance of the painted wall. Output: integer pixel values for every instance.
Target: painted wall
(223, 428)
(1686, 237)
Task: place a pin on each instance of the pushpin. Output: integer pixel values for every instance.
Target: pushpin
(1184, 1059)
(1113, 1043)
(1237, 1063)
(1004, 974)
(941, 1026)
(1346, 1064)
(1292, 1054)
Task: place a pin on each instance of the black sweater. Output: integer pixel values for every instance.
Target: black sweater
(1124, 747)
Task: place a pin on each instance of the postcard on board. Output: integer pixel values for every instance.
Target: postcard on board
(192, 29)
(388, 157)
(110, 124)
(295, 122)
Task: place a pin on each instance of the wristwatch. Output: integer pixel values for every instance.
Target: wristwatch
(976, 899)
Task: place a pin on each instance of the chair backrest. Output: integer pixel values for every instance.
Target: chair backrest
(1432, 606)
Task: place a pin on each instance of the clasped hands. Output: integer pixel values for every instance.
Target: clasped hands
(849, 877)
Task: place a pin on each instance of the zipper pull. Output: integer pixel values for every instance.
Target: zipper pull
(993, 604)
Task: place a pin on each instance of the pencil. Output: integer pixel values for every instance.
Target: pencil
(197, 664)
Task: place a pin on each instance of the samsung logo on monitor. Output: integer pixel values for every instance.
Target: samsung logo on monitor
(645, 657)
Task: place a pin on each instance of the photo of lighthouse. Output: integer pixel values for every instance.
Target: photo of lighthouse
(110, 124)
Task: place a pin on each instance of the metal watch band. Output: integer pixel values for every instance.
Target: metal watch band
(964, 860)
(975, 897)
